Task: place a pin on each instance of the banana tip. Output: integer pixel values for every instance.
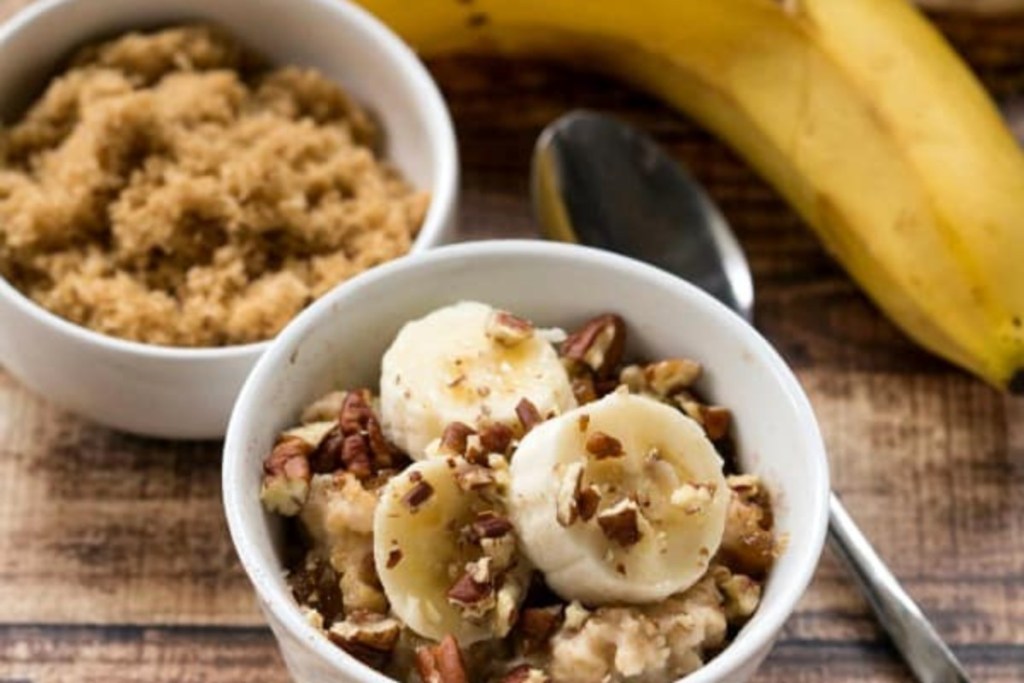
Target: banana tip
(1016, 385)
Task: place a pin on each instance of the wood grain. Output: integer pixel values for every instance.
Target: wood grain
(115, 563)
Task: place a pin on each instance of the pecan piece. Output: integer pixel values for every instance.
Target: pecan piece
(368, 637)
(584, 390)
(454, 438)
(355, 457)
(496, 438)
(668, 376)
(473, 592)
(490, 525)
(507, 329)
(598, 344)
(528, 414)
(441, 663)
(621, 523)
(587, 502)
(420, 493)
(536, 627)
(286, 475)
(603, 446)
(716, 421)
(355, 411)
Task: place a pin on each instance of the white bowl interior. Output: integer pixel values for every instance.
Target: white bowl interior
(339, 341)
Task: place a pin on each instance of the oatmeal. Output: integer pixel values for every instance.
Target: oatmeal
(579, 520)
(168, 188)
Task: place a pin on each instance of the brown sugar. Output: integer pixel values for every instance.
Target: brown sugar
(167, 189)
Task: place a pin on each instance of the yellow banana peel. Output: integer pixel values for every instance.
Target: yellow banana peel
(857, 111)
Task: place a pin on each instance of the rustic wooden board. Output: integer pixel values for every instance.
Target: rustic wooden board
(115, 564)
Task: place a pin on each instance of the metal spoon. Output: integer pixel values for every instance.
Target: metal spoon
(600, 182)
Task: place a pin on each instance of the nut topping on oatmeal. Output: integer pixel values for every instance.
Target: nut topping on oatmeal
(496, 438)
(453, 438)
(508, 329)
(472, 596)
(286, 477)
(366, 636)
(537, 625)
(463, 547)
(602, 446)
(598, 344)
(441, 663)
(668, 376)
(489, 524)
(419, 494)
(528, 414)
(621, 523)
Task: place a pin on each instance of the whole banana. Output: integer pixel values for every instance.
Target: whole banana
(857, 111)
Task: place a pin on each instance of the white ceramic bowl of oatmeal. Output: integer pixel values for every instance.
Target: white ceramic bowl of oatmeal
(339, 341)
(178, 392)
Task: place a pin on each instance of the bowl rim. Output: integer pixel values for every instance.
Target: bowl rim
(758, 634)
(440, 212)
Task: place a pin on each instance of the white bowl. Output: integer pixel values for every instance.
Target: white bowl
(339, 340)
(188, 393)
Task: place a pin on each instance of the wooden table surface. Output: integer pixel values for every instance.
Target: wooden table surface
(115, 563)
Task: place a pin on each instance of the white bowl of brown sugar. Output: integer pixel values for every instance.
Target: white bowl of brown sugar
(179, 179)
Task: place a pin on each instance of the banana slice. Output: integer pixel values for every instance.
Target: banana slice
(445, 550)
(621, 500)
(466, 363)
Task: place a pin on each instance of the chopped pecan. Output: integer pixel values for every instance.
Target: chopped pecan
(536, 627)
(584, 390)
(467, 591)
(748, 546)
(603, 446)
(384, 454)
(667, 376)
(500, 550)
(327, 456)
(508, 329)
(394, 557)
(316, 584)
(355, 456)
(471, 477)
(474, 593)
(286, 475)
(598, 344)
(716, 421)
(368, 637)
(496, 437)
(356, 410)
(441, 663)
(621, 523)
(587, 502)
(453, 438)
(491, 525)
(416, 496)
(528, 414)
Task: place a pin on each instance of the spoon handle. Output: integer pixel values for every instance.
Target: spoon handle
(928, 657)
